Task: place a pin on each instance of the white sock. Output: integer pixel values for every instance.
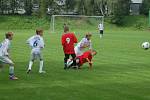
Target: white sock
(11, 70)
(100, 36)
(30, 65)
(41, 66)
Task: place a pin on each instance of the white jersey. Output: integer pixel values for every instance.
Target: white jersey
(84, 43)
(36, 42)
(4, 47)
(101, 26)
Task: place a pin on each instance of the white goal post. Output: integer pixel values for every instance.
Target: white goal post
(75, 16)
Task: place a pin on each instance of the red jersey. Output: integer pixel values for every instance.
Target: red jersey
(83, 57)
(68, 40)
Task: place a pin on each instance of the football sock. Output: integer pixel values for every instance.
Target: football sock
(11, 71)
(100, 36)
(30, 65)
(41, 66)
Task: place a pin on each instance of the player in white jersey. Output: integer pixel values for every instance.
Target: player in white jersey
(4, 55)
(36, 42)
(83, 44)
(101, 29)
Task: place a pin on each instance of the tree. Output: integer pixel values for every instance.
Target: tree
(70, 4)
(28, 7)
(43, 9)
(91, 7)
(81, 7)
(145, 7)
(120, 11)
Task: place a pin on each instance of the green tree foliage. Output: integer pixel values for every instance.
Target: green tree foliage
(91, 7)
(43, 9)
(70, 4)
(81, 7)
(28, 6)
(120, 11)
(145, 7)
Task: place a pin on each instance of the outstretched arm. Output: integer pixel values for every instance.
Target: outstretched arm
(90, 63)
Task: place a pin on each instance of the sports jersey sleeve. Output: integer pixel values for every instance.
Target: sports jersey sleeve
(42, 43)
(30, 41)
(81, 44)
(5, 48)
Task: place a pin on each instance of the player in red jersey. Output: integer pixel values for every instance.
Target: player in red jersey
(68, 40)
(85, 57)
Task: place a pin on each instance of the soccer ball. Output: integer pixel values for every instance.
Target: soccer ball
(146, 45)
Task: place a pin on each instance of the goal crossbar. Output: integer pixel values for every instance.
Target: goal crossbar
(83, 16)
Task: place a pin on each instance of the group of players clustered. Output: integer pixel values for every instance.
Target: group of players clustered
(36, 42)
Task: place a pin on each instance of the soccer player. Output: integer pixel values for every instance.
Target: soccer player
(4, 55)
(37, 44)
(85, 57)
(68, 40)
(83, 44)
(101, 29)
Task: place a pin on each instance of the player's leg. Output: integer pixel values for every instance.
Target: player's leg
(65, 60)
(74, 59)
(1, 65)
(69, 62)
(101, 33)
(41, 63)
(78, 63)
(32, 58)
(6, 60)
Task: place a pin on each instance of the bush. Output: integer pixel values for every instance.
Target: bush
(120, 11)
(145, 7)
(139, 25)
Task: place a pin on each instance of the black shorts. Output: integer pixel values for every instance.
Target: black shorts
(101, 31)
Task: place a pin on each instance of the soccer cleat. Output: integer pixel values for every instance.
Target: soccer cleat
(65, 66)
(13, 78)
(28, 71)
(42, 72)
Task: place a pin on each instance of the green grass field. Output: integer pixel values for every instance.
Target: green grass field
(121, 69)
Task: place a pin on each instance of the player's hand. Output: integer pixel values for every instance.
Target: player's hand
(91, 62)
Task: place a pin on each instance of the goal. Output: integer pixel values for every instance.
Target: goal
(75, 22)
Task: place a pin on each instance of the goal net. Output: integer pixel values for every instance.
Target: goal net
(76, 23)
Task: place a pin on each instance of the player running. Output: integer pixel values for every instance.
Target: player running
(85, 57)
(84, 43)
(37, 44)
(68, 40)
(4, 55)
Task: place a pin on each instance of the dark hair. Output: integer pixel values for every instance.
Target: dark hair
(8, 34)
(38, 31)
(66, 29)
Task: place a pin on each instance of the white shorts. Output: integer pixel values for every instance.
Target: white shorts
(78, 52)
(35, 56)
(6, 60)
